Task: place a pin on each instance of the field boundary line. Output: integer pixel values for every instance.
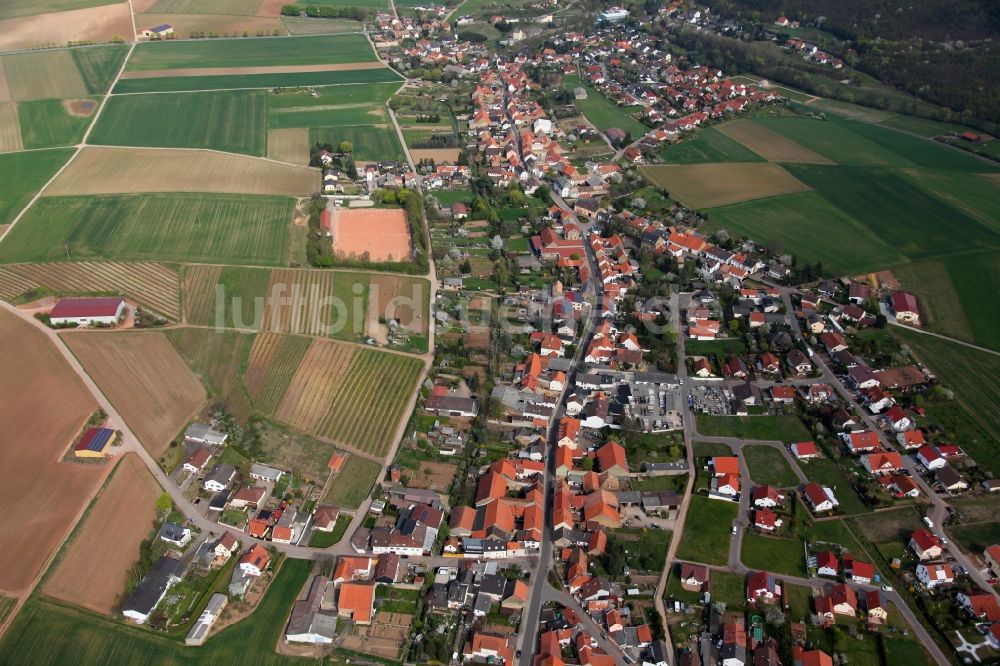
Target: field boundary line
(79, 147)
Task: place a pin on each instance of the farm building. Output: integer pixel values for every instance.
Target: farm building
(151, 589)
(308, 623)
(157, 31)
(199, 632)
(199, 433)
(87, 311)
(95, 443)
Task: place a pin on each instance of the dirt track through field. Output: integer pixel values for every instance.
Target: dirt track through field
(91, 24)
(710, 185)
(93, 571)
(240, 71)
(44, 407)
(769, 144)
(144, 378)
(129, 171)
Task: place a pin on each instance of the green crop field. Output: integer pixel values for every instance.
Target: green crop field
(375, 93)
(373, 4)
(228, 7)
(17, 8)
(708, 145)
(163, 227)
(826, 472)
(602, 112)
(801, 224)
(243, 290)
(346, 115)
(23, 174)
(313, 26)
(229, 121)
(710, 542)
(217, 357)
(922, 126)
(976, 195)
(778, 428)
(263, 52)
(351, 486)
(371, 142)
(269, 80)
(98, 65)
(768, 466)
(782, 556)
(975, 378)
(46, 123)
(53, 633)
(919, 225)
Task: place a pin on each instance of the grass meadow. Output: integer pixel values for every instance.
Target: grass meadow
(602, 112)
(305, 50)
(768, 466)
(229, 121)
(53, 633)
(710, 543)
(371, 142)
(163, 227)
(351, 486)
(778, 428)
(708, 145)
(23, 174)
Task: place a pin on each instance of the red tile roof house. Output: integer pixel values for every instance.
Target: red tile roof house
(804, 450)
(905, 306)
(827, 564)
(766, 496)
(87, 311)
(925, 545)
(820, 498)
(763, 587)
(861, 572)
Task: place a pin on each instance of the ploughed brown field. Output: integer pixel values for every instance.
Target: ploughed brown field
(43, 408)
(381, 233)
(770, 145)
(710, 185)
(93, 571)
(145, 379)
(92, 24)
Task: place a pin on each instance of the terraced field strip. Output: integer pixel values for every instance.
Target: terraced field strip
(151, 285)
(315, 384)
(274, 360)
(13, 285)
(199, 291)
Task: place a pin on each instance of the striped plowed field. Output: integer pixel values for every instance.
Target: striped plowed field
(199, 291)
(306, 308)
(375, 389)
(151, 285)
(274, 360)
(13, 285)
(316, 385)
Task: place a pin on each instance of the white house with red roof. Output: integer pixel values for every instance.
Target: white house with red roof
(925, 545)
(911, 439)
(898, 419)
(804, 450)
(820, 498)
(882, 463)
(904, 304)
(930, 458)
(827, 564)
(87, 311)
(861, 442)
(935, 574)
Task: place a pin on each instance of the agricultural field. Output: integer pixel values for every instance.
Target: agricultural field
(371, 142)
(771, 145)
(18, 8)
(768, 466)
(242, 292)
(23, 174)
(777, 428)
(316, 302)
(330, 75)
(33, 378)
(800, 224)
(96, 562)
(710, 544)
(98, 65)
(973, 418)
(218, 357)
(311, 26)
(167, 227)
(307, 50)
(228, 121)
(10, 128)
(47, 123)
(146, 380)
(234, 7)
(333, 96)
(710, 185)
(63, 23)
(288, 145)
(43, 75)
(50, 632)
(355, 397)
(274, 361)
(336, 115)
(708, 145)
(602, 112)
(197, 25)
(154, 286)
(351, 485)
(977, 195)
(125, 171)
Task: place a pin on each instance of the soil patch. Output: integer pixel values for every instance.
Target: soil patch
(81, 108)
(92, 24)
(769, 144)
(433, 475)
(95, 567)
(439, 155)
(44, 407)
(710, 185)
